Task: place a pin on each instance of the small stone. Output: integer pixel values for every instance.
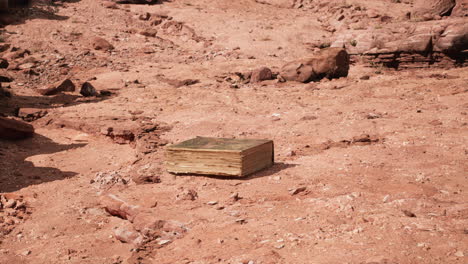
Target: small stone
(150, 32)
(459, 254)
(189, 195)
(408, 213)
(87, 89)
(26, 252)
(212, 203)
(164, 242)
(386, 198)
(235, 197)
(99, 43)
(373, 116)
(365, 77)
(261, 74)
(298, 190)
(146, 16)
(127, 234)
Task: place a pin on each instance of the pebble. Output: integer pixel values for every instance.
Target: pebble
(163, 242)
(386, 198)
(212, 203)
(297, 190)
(459, 254)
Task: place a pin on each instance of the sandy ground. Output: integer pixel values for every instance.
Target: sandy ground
(399, 197)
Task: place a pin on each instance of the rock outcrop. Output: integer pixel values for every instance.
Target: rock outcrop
(426, 44)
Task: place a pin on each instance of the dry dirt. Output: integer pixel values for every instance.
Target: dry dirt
(383, 159)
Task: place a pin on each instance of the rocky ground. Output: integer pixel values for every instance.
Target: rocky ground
(370, 168)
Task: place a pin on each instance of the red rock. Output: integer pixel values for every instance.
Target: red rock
(99, 43)
(146, 178)
(14, 129)
(454, 39)
(87, 89)
(63, 86)
(145, 16)
(327, 63)
(127, 234)
(188, 194)
(261, 74)
(118, 207)
(149, 32)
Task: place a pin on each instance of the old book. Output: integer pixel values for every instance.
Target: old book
(219, 156)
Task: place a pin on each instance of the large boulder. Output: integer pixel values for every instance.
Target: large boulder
(327, 63)
(261, 74)
(424, 8)
(14, 129)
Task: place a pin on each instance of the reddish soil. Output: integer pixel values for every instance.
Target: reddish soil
(383, 159)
